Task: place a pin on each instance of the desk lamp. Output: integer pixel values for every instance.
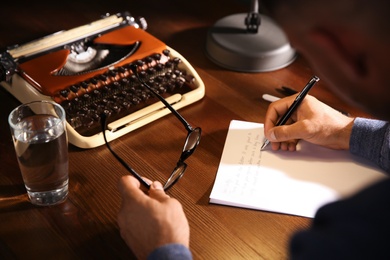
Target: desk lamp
(249, 42)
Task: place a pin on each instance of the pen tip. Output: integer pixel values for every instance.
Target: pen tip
(264, 145)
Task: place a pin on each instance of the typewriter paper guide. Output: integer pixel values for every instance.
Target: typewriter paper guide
(41, 70)
(295, 183)
(37, 80)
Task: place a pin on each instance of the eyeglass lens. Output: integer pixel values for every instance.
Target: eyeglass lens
(192, 141)
(177, 173)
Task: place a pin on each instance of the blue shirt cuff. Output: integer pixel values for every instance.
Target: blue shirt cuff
(171, 251)
(370, 139)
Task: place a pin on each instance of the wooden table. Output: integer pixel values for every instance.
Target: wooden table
(85, 225)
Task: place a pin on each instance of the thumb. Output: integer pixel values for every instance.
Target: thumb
(128, 185)
(157, 192)
(285, 133)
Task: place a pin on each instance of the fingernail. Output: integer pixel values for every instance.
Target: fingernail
(157, 185)
(272, 136)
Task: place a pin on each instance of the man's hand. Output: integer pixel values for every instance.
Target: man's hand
(313, 121)
(147, 222)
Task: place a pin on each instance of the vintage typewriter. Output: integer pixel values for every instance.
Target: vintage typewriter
(86, 70)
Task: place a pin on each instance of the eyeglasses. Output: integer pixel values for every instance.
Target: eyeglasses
(191, 142)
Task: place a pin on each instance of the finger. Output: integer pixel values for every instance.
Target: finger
(295, 131)
(275, 111)
(127, 182)
(129, 187)
(275, 146)
(292, 146)
(157, 192)
(284, 146)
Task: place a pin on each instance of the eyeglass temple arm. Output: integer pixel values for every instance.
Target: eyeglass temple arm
(134, 173)
(133, 67)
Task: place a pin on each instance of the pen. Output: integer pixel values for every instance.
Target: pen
(289, 91)
(270, 98)
(294, 105)
(286, 91)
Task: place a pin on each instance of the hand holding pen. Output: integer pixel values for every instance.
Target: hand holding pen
(298, 100)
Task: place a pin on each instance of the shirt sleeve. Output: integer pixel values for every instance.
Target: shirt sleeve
(170, 252)
(357, 227)
(354, 228)
(371, 139)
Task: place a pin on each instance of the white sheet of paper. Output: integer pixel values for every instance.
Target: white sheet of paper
(296, 183)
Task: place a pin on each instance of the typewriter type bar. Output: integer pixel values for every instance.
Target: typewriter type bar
(86, 70)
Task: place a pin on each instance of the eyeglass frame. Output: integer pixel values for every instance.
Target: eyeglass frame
(185, 154)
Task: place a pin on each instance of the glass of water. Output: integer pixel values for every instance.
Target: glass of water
(39, 134)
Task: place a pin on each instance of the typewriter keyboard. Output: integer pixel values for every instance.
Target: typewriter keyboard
(118, 92)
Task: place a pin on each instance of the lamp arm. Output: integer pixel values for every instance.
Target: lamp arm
(252, 21)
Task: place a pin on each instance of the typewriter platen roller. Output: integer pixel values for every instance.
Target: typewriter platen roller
(86, 70)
